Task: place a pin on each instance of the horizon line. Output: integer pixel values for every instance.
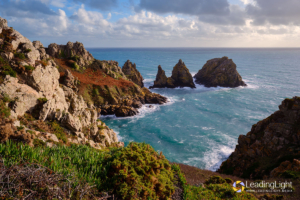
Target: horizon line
(202, 47)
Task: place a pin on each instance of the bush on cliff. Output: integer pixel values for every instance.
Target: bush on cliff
(138, 171)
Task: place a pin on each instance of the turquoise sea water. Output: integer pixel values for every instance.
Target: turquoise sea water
(200, 127)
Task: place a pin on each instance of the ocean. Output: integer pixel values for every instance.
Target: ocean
(200, 127)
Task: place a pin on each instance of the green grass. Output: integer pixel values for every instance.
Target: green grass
(122, 171)
(42, 100)
(75, 66)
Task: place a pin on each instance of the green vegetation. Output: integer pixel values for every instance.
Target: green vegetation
(215, 188)
(4, 110)
(27, 50)
(59, 131)
(20, 55)
(139, 171)
(42, 100)
(62, 54)
(75, 58)
(29, 68)
(6, 68)
(75, 66)
(131, 172)
(290, 174)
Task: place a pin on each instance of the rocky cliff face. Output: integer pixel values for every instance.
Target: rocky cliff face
(219, 72)
(132, 73)
(30, 86)
(72, 51)
(271, 146)
(181, 77)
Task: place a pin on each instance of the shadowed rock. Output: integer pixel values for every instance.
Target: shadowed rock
(132, 73)
(219, 72)
(181, 77)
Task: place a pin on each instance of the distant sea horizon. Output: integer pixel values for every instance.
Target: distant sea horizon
(200, 127)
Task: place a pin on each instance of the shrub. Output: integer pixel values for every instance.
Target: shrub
(75, 58)
(139, 172)
(42, 100)
(4, 110)
(75, 66)
(20, 55)
(27, 50)
(29, 68)
(7, 70)
(39, 143)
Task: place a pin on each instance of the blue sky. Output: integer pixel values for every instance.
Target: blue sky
(157, 23)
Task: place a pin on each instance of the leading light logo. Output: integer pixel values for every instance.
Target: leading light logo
(238, 186)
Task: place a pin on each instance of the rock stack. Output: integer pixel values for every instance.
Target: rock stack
(219, 72)
(181, 77)
(132, 73)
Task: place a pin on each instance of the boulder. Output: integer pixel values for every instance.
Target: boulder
(219, 72)
(24, 97)
(181, 77)
(132, 73)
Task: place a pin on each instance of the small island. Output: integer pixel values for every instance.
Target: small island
(219, 72)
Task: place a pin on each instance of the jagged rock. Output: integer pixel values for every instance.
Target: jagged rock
(125, 111)
(219, 72)
(75, 51)
(37, 44)
(161, 78)
(30, 52)
(69, 80)
(24, 97)
(20, 39)
(110, 67)
(3, 24)
(132, 73)
(270, 140)
(181, 77)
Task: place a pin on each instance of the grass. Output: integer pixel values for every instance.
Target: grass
(6, 68)
(118, 170)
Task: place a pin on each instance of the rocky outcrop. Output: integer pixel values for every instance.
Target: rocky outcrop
(285, 167)
(36, 90)
(219, 72)
(3, 24)
(74, 51)
(270, 142)
(132, 73)
(110, 67)
(181, 77)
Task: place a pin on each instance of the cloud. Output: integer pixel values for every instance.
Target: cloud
(189, 7)
(99, 4)
(27, 8)
(276, 12)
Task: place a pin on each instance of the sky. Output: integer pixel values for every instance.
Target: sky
(157, 23)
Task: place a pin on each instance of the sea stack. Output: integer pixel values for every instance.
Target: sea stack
(181, 77)
(132, 73)
(219, 72)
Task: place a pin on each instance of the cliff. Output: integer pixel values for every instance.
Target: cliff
(181, 77)
(103, 83)
(271, 148)
(35, 105)
(219, 72)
